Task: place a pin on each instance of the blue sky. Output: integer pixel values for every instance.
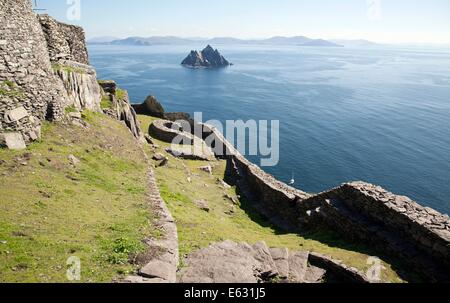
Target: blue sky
(403, 21)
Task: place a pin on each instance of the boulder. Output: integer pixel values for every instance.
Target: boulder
(12, 141)
(149, 139)
(73, 160)
(207, 169)
(158, 269)
(151, 107)
(281, 258)
(298, 265)
(232, 199)
(158, 157)
(226, 262)
(315, 275)
(163, 162)
(203, 205)
(109, 86)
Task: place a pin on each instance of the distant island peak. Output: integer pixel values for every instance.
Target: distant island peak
(207, 58)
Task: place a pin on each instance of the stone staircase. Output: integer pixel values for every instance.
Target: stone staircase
(230, 262)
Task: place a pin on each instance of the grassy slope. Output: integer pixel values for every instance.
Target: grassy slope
(51, 210)
(198, 228)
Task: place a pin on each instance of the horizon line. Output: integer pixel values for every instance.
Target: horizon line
(441, 43)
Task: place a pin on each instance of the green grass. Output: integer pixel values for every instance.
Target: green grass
(51, 210)
(67, 68)
(105, 103)
(146, 121)
(198, 229)
(121, 94)
(70, 109)
(10, 89)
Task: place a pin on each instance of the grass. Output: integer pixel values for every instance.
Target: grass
(70, 109)
(198, 229)
(105, 103)
(51, 210)
(121, 94)
(67, 68)
(10, 89)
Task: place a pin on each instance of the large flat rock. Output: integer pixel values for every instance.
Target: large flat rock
(226, 262)
(298, 265)
(13, 141)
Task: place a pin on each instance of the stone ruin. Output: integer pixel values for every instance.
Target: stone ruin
(44, 69)
(358, 211)
(29, 91)
(64, 41)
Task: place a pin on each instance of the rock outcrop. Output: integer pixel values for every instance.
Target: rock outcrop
(119, 107)
(80, 82)
(230, 262)
(207, 58)
(150, 107)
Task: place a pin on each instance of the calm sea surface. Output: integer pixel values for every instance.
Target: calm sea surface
(378, 115)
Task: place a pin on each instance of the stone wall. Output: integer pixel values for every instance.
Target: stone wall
(29, 92)
(276, 200)
(167, 131)
(393, 224)
(360, 212)
(64, 41)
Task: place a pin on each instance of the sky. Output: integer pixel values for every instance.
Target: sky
(386, 21)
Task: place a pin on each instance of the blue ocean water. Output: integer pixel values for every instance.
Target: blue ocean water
(380, 115)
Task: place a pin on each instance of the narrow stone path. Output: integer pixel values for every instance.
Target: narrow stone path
(163, 267)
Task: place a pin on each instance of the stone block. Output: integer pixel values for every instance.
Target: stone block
(13, 141)
(159, 269)
(17, 114)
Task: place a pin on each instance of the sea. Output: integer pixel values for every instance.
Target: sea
(378, 114)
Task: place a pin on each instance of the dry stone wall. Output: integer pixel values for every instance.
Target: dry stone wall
(43, 70)
(359, 211)
(393, 224)
(167, 131)
(29, 92)
(64, 41)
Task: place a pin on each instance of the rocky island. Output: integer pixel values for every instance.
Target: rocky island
(207, 58)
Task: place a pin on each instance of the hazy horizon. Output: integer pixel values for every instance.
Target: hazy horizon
(380, 21)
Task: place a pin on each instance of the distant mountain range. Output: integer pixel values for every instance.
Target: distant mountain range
(355, 42)
(170, 40)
